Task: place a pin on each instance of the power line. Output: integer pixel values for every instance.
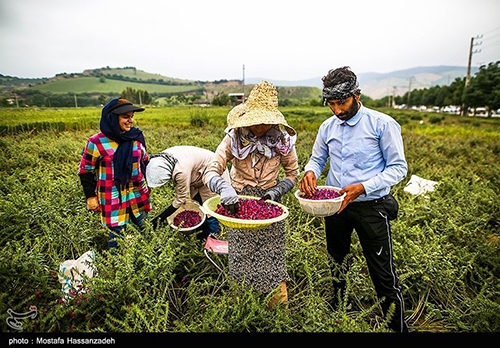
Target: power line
(490, 47)
(493, 44)
(492, 30)
(491, 37)
(456, 52)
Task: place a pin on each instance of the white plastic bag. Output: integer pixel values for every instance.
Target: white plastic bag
(420, 186)
(72, 273)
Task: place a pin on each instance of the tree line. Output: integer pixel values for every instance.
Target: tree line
(483, 90)
(31, 97)
(149, 81)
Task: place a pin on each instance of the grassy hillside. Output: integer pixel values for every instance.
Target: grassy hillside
(139, 74)
(93, 85)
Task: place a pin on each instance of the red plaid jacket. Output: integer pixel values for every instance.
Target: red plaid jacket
(98, 158)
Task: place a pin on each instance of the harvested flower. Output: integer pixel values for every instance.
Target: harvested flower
(322, 194)
(252, 209)
(188, 218)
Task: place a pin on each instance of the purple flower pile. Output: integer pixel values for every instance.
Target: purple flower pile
(187, 218)
(322, 194)
(252, 209)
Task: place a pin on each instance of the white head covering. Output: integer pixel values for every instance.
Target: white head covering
(160, 168)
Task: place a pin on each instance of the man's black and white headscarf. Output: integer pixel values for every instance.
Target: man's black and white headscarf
(341, 91)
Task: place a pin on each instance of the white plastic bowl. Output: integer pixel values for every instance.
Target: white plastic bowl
(189, 205)
(320, 208)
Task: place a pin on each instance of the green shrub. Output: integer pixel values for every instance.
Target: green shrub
(446, 247)
(436, 119)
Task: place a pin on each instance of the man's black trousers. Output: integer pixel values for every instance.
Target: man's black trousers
(371, 220)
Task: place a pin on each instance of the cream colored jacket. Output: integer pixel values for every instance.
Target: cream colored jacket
(192, 163)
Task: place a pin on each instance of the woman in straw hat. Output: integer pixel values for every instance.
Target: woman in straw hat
(258, 140)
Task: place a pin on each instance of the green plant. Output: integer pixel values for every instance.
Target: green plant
(446, 247)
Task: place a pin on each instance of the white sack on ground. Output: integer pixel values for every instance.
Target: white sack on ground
(72, 272)
(419, 186)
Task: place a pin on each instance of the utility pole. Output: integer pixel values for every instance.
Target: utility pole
(243, 83)
(393, 96)
(409, 92)
(467, 78)
(76, 104)
(140, 99)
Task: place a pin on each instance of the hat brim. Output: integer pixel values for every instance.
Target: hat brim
(126, 109)
(246, 117)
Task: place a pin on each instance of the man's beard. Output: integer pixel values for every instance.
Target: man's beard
(347, 115)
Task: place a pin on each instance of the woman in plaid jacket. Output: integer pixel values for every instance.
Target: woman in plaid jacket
(112, 170)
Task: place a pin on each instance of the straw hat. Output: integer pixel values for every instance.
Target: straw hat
(260, 108)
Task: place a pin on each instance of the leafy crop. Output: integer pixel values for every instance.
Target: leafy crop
(446, 245)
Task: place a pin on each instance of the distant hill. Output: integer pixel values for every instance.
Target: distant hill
(103, 80)
(378, 85)
(8, 83)
(115, 80)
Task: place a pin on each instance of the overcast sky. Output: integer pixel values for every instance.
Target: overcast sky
(211, 40)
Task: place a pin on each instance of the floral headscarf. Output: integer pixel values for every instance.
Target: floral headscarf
(275, 142)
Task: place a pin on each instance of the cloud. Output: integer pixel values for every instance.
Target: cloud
(203, 40)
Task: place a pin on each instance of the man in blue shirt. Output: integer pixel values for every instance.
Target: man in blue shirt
(366, 155)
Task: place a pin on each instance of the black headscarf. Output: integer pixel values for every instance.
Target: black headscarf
(341, 91)
(122, 159)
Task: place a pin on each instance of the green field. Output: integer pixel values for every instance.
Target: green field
(446, 246)
(93, 85)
